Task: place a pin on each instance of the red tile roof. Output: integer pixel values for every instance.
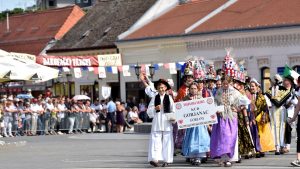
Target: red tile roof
(178, 19)
(254, 13)
(30, 32)
(243, 14)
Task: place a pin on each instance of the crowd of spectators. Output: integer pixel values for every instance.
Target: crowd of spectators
(62, 115)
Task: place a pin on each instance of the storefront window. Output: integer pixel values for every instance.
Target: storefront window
(86, 90)
(265, 78)
(62, 89)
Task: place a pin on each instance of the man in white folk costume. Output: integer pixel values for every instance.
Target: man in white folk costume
(161, 145)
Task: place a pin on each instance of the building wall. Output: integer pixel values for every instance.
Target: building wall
(271, 48)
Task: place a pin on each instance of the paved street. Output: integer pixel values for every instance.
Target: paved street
(101, 151)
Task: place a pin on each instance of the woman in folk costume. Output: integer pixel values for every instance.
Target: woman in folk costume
(259, 109)
(246, 146)
(224, 141)
(196, 142)
(161, 145)
(188, 79)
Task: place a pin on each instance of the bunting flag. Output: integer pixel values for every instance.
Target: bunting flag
(77, 72)
(181, 63)
(126, 70)
(143, 68)
(91, 69)
(109, 69)
(114, 70)
(66, 69)
(96, 70)
(84, 68)
(172, 67)
(166, 66)
(102, 72)
(156, 66)
(147, 69)
(160, 64)
(120, 68)
(178, 66)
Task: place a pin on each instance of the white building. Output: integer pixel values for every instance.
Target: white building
(266, 34)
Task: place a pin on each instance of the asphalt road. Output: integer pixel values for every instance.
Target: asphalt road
(102, 150)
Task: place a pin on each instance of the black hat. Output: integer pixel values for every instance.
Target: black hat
(163, 81)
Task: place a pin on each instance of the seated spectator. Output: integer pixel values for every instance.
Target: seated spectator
(142, 108)
(133, 116)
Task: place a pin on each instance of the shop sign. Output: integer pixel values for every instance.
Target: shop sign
(68, 61)
(110, 60)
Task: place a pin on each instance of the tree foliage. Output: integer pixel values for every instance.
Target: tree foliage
(12, 12)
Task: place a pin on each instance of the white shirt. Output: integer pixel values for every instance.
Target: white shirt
(160, 121)
(35, 108)
(97, 107)
(131, 115)
(49, 106)
(150, 90)
(61, 108)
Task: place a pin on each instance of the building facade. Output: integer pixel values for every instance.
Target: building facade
(262, 34)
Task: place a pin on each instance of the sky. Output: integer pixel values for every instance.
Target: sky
(11, 4)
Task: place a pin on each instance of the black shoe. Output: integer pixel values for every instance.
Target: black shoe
(164, 164)
(277, 153)
(174, 154)
(203, 160)
(240, 160)
(262, 154)
(257, 156)
(187, 160)
(196, 162)
(154, 164)
(247, 157)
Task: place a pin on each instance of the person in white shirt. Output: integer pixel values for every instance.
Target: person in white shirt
(62, 112)
(133, 116)
(161, 145)
(290, 121)
(37, 110)
(288, 109)
(96, 106)
(9, 109)
(47, 116)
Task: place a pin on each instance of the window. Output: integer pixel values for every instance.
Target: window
(265, 79)
(52, 3)
(297, 68)
(78, 1)
(85, 1)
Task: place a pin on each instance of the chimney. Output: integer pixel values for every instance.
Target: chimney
(7, 22)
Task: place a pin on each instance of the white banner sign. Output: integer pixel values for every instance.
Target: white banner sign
(196, 112)
(110, 60)
(106, 91)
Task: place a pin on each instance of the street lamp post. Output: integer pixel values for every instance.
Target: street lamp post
(137, 70)
(151, 71)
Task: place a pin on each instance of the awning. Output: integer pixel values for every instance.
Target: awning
(13, 68)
